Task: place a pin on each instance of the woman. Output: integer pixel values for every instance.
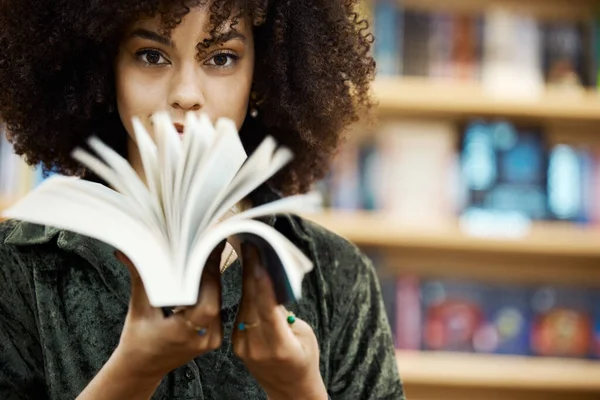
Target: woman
(74, 322)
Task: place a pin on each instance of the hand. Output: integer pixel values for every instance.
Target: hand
(282, 357)
(152, 345)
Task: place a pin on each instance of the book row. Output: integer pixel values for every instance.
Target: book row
(497, 46)
(433, 171)
(476, 317)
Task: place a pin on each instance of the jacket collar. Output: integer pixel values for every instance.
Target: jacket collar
(26, 233)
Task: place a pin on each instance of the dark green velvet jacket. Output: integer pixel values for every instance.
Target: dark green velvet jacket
(64, 297)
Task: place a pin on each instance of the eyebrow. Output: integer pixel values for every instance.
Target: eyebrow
(223, 37)
(229, 35)
(149, 35)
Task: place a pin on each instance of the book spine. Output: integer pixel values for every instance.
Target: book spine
(408, 313)
(386, 46)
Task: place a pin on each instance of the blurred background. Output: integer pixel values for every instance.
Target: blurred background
(476, 194)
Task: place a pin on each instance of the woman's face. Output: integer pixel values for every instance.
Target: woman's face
(156, 73)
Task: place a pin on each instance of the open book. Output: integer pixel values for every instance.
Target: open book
(170, 222)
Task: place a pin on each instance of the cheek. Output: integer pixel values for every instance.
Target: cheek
(136, 98)
(228, 99)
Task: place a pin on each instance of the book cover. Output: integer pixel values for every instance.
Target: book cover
(562, 323)
(507, 322)
(503, 168)
(453, 313)
(387, 20)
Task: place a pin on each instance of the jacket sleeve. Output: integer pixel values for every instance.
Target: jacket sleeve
(363, 361)
(21, 363)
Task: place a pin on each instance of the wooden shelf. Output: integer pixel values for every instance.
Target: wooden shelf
(415, 96)
(498, 371)
(379, 229)
(563, 10)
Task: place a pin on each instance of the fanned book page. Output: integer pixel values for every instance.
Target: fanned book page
(169, 222)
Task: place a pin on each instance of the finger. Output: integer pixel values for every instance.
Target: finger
(249, 290)
(280, 332)
(138, 303)
(271, 333)
(198, 339)
(301, 328)
(264, 302)
(296, 325)
(247, 335)
(276, 329)
(208, 308)
(302, 332)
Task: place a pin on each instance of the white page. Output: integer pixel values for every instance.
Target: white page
(234, 156)
(204, 136)
(188, 142)
(120, 175)
(95, 190)
(102, 170)
(109, 176)
(295, 264)
(258, 160)
(96, 218)
(97, 195)
(296, 204)
(168, 144)
(221, 164)
(148, 154)
(194, 189)
(257, 170)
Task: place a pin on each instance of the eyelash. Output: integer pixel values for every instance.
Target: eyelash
(141, 53)
(233, 56)
(230, 54)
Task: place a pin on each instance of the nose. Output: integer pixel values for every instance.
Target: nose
(186, 90)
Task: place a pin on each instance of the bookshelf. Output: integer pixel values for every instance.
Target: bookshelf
(424, 97)
(550, 253)
(382, 230)
(493, 371)
(543, 9)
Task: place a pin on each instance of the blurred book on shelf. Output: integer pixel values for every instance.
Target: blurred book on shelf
(16, 177)
(405, 169)
(464, 315)
(494, 176)
(512, 54)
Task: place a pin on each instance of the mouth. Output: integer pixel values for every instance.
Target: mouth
(179, 128)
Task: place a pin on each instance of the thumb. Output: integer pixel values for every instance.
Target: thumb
(213, 264)
(139, 303)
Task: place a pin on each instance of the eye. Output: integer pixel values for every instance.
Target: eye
(223, 60)
(151, 57)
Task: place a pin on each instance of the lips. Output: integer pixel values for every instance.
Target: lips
(179, 127)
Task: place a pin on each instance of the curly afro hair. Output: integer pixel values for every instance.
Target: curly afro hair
(312, 73)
